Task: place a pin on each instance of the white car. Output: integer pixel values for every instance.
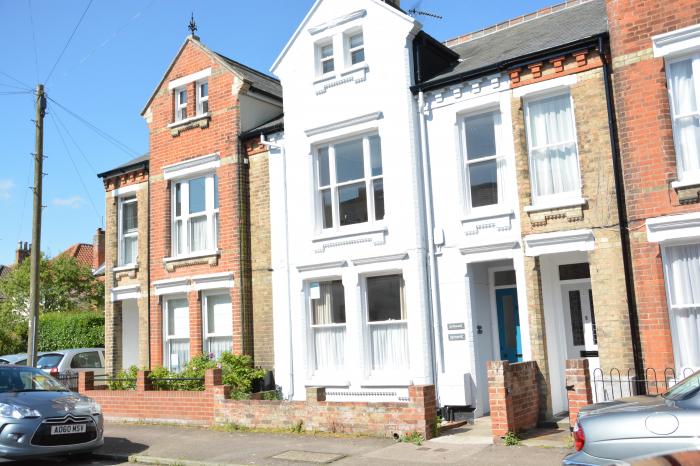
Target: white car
(66, 364)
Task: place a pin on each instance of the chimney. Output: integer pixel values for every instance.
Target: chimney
(23, 251)
(98, 249)
(395, 3)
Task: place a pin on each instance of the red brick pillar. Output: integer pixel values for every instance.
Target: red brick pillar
(86, 381)
(578, 387)
(195, 306)
(422, 400)
(500, 401)
(143, 382)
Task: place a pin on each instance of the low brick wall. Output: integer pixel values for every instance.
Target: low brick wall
(514, 396)
(578, 387)
(213, 406)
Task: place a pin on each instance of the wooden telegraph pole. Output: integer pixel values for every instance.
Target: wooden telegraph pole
(36, 228)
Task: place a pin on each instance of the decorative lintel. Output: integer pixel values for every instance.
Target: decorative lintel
(337, 21)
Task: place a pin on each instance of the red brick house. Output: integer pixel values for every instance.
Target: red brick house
(656, 75)
(178, 220)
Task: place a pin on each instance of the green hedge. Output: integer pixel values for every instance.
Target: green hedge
(61, 330)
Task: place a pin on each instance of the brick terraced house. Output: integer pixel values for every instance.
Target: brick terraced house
(178, 270)
(656, 69)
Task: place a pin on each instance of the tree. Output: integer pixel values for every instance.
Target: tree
(65, 285)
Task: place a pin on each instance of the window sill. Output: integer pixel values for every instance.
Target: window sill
(344, 232)
(348, 236)
(204, 257)
(688, 190)
(197, 121)
(362, 66)
(564, 204)
(496, 212)
(321, 381)
(126, 268)
(356, 74)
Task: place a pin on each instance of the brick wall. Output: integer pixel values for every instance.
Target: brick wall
(212, 406)
(219, 135)
(514, 396)
(260, 253)
(578, 387)
(647, 152)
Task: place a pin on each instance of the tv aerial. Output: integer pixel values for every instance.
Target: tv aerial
(415, 12)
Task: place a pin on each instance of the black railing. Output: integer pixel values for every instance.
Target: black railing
(616, 384)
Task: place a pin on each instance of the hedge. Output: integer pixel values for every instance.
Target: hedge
(62, 330)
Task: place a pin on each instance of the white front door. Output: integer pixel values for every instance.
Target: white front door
(579, 322)
(130, 333)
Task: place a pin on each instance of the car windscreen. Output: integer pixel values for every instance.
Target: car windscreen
(27, 379)
(49, 361)
(685, 389)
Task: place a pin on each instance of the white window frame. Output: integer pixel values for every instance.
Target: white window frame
(499, 157)
(179, 105)
(320, 60)
(166, 320)
(124, 236)
(210, 211)
(333, 186)
(311, 345)
(558, 199)
(205, 318)
(383, 375)
(201, 100)
(349, 49)
(690, 177)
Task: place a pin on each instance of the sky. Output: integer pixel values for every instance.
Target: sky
(99, 76)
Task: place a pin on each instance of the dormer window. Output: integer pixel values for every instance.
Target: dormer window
(326, 61)
(202, 97)
(356, 48)
(180, 104)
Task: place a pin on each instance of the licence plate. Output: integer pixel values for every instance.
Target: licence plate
(68, 429)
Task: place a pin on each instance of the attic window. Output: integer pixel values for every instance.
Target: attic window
(356, 49)
(180, 104)
(202, 97)
(326, 63)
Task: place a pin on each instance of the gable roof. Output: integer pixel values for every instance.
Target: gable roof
(5, 270)
(313, 9)
(271, 126)
(82, 252)
(560, 27)
(243, 72)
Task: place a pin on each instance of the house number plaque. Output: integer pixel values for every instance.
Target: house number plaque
(456, 336)
(456, 326)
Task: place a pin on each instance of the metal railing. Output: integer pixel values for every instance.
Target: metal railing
(616, 384)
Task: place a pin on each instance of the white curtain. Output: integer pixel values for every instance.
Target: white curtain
(219, 326)
(553, 146)
(198, 233)
(683, 276)
(178, 354)
(329, 343)
(389, 346)
(218, 345)
(686, 120)
(130, 247)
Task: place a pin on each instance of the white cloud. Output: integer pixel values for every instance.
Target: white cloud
(5, 188)
(74, 202)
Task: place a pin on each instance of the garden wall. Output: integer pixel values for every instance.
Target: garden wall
(213, 406)
(514, 396)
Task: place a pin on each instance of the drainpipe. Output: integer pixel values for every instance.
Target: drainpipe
(286, 252)
(434, 314)
(622, 212)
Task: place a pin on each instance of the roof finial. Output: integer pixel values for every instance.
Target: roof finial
(192, 26)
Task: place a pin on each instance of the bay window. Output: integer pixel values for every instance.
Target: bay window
(217, 323)
(349, 181)
(128, 231)
(180, 103)
(682, 274)
(195, 215)
(684, 90)
(328, 326)
(554, 168)
(177, 333)
(387, 323)
(202, 97)
(484, 165)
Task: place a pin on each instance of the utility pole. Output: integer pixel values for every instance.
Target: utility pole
(36, 228)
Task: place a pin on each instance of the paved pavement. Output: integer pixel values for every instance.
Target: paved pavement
(188, 446)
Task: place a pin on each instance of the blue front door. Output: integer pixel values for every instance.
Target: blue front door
(508, 324)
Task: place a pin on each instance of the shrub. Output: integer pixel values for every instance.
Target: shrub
(511, 439)
(412, 437)
(60, 330)
(126, 379)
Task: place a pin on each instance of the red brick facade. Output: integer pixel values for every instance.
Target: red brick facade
(514, 396)
(578, 387)
(647, 152)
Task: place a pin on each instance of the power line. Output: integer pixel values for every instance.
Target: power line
(114, 141)
(15, 92)
(15, 87)
(75, 143)
(75, 167)
(36, 53)
(75, 29)
(24, 85)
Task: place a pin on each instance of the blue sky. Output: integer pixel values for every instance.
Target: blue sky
(112, 64)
